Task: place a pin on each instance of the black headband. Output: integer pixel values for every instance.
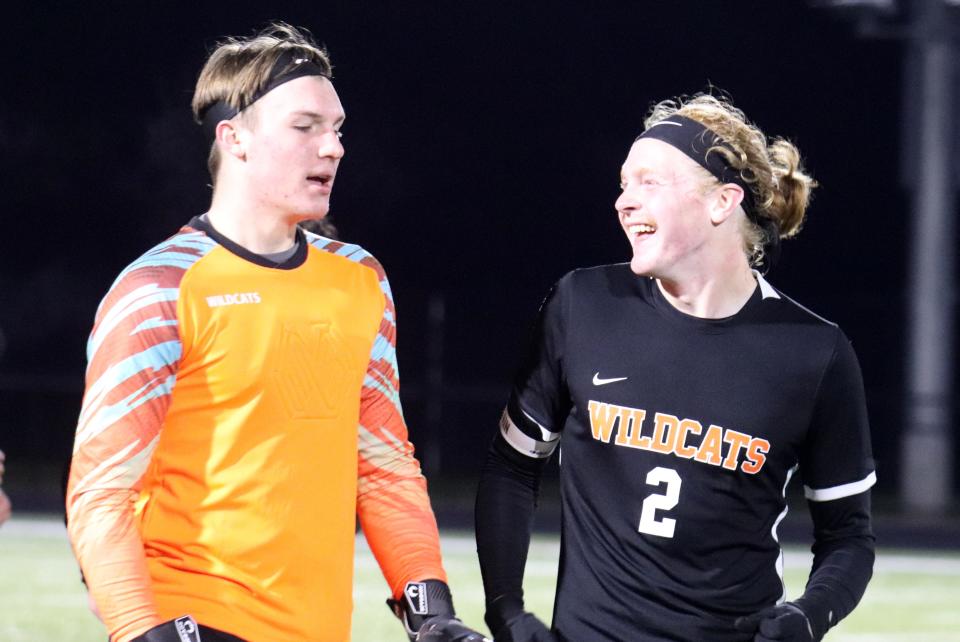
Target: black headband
(289, 66)
(696, 141)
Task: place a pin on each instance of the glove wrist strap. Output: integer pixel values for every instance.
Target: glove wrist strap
(422, 601)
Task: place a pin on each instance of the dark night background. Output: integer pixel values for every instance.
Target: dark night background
(483, 148)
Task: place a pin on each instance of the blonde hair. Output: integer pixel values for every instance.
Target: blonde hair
(239, 68)
(773, 170)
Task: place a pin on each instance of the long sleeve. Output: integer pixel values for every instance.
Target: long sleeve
(506, 501)
(529, 432)
(133, 354)
(838, 490)
(392, 500)
(843, 555)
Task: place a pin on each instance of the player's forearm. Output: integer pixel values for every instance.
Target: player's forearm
(400, 527)
(108, 546)
(839, 580)
(843, 559)
(506, 500)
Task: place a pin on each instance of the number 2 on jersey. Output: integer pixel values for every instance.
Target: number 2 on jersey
(660, 501)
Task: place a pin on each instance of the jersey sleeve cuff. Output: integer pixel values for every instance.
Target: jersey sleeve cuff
(838, 492)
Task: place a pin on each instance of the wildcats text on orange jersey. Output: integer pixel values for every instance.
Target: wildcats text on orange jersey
(671, 435)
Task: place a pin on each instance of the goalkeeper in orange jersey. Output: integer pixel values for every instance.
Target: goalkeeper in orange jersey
(241, 405)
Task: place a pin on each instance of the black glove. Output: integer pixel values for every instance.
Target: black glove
(441, 629)
(183, 629)
(782, 623)
(423, 602)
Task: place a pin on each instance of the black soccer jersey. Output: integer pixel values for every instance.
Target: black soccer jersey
(678, 436)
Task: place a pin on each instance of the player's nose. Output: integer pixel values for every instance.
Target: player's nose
(625, 204)
(331, 146)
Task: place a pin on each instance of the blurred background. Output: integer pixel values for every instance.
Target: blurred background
(484, 142)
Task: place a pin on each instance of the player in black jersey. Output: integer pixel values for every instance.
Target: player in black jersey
(684, 392)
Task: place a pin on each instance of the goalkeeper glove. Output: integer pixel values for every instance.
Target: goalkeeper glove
(183, 629)
(781, 623)
(430, 602)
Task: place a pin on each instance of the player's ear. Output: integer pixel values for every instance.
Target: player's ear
(724, 202)
(231, 138)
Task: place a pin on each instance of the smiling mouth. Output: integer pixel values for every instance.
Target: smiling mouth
(640, 230)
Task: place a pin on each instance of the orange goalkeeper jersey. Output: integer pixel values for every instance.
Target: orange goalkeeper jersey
(238, 416)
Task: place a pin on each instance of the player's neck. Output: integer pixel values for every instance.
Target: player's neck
(256, 229)
(711, 294)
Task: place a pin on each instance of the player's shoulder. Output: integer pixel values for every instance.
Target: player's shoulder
(165, 263)
(346, 251)
(787, 309)
(155, 277)
(601, 283)
(799, 326)
(588, 278)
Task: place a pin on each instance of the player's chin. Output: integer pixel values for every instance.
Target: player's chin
(641, 265)
(314, 208)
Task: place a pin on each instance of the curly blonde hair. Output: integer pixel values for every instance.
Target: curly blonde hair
(772, 169)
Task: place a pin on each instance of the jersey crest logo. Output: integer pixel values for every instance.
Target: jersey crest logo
(306, 390)
(416, 594)
(187, 629)
(597, 381)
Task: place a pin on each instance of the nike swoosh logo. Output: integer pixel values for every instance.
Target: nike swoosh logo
(597, 381)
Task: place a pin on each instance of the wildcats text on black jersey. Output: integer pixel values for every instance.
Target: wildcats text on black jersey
(671, 435)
